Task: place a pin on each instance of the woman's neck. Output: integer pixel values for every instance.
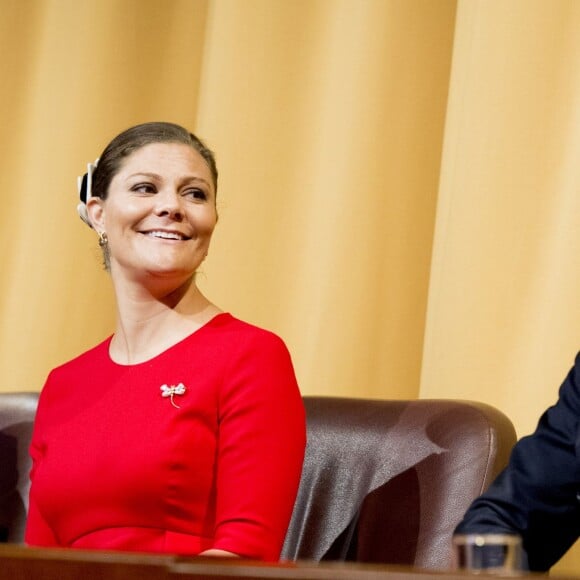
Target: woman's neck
(149, 323)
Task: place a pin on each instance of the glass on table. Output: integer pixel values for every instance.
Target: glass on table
(488, 553)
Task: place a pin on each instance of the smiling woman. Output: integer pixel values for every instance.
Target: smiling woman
(159, 214)
(184, 431)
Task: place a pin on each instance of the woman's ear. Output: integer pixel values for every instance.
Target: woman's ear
(96, 213)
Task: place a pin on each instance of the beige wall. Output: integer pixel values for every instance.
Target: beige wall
(399, 182)
(503, 325)
(321, 124)
(73, 75)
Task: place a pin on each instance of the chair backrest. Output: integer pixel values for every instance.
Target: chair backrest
(388, 481)
(383, 481)
(17, 412)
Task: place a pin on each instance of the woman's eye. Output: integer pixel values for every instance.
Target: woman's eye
(144, 188)
(196, 194)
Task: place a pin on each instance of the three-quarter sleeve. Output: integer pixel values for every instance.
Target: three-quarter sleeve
(38, 532)
(261, 442)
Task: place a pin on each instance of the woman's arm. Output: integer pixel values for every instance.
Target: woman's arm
(261, 442)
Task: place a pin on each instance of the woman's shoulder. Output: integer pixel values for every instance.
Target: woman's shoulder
(91, 358)
(76, 375)
(229, 326)
(240, 340)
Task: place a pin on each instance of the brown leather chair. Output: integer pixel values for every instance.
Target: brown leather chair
(17, 412)
(383, 481)
(388, 481)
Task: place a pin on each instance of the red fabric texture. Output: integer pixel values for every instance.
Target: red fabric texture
(117, 466)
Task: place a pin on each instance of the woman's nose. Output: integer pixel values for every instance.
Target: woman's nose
(168, 203)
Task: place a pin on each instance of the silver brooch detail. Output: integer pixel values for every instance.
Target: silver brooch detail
(170, 391)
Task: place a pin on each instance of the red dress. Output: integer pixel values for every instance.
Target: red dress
(200, 447)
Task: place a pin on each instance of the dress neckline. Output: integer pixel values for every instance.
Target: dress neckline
(195, 333)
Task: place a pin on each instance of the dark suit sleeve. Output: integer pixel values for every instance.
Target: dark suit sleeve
(537, 495)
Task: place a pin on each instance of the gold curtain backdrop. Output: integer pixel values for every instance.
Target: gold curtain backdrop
(399, 193)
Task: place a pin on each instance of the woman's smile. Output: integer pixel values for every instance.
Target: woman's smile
(167, 235)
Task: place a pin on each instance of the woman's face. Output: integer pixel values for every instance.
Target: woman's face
(160, 212)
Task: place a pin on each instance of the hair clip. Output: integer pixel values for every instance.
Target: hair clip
(84, 185)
